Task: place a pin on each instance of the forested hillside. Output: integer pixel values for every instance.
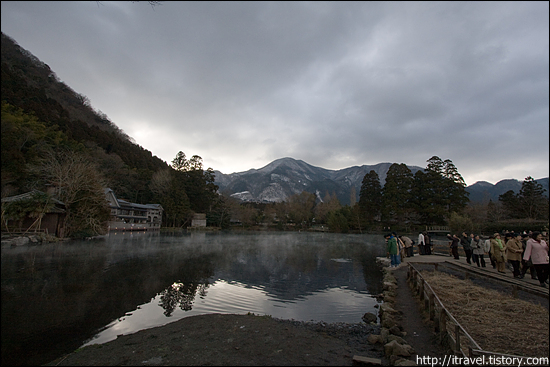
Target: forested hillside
(29, 84)
(53, 137)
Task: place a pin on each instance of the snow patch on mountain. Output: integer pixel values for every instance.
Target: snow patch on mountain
(318, 195)
(276, 177)
(274, 193)
(244, 196)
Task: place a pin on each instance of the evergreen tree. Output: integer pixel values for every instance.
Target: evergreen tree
(180, 162)
(451, 172)
(175, 202)
(422, 198)
(455, 188)
(445, 190)
(532, 202)
(396, 194)
(510, 204)
(337, 222)
(435, 164)
(370, 196)
(195, 187)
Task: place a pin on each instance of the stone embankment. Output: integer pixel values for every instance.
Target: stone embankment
(10, 240)
(396, 349)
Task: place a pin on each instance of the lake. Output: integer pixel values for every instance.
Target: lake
(58, 297)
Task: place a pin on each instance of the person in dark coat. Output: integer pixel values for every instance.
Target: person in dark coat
(465, 242)
(421, 244)
(454, 245)
(427, 244)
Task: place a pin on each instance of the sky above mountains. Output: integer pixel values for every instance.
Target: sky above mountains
(334, 84)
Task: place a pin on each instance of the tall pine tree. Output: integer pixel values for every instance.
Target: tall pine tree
(532, 202)
(370, 197)
(396, 194)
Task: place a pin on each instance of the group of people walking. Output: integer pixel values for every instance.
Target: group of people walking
(399, 247)
(523, 252)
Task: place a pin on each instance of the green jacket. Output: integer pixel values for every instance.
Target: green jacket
(392, 246)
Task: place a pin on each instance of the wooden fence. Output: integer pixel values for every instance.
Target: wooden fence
(23, 231)
(451, 333)
(435, 229)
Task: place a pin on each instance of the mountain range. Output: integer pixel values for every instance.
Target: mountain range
(285, 177)
(483, 191)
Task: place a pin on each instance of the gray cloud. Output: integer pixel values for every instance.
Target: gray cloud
(333, 84)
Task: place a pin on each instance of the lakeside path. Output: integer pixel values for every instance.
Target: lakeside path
(419, 334)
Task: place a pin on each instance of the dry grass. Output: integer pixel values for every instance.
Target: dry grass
(497, 322)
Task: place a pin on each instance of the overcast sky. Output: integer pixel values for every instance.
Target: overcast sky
(333, 84)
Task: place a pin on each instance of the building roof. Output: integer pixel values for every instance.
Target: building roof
(120, 202)
(29, 195)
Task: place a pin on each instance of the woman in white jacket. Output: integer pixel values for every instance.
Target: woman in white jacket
(478, 247)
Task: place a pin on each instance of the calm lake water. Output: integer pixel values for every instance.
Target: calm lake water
(58, 297)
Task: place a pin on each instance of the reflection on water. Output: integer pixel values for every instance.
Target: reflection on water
(180, 294)
(56, 297)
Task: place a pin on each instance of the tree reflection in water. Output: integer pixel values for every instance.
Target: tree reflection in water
(182, 294)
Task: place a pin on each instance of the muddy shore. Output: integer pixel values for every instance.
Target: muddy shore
(236, 340)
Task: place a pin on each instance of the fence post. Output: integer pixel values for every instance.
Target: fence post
(442, 325)
(431, 306)
(421, 289)
(457, 337)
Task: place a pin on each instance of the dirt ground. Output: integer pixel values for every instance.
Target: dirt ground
(236, 340)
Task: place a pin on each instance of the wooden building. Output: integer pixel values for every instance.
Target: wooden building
(127, 216)
(36, 211)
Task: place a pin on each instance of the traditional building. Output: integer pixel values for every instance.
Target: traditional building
(126, 216)
(198, 221)
(47, 214)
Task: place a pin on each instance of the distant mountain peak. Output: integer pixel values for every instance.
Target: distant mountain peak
(287, 176)
(483, 183)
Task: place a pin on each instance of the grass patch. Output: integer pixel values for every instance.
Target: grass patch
(496, 321)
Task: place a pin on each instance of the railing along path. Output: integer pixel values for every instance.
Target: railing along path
(451, 333)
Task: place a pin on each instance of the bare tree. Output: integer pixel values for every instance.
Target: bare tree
(78, 184)
(160, 182)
